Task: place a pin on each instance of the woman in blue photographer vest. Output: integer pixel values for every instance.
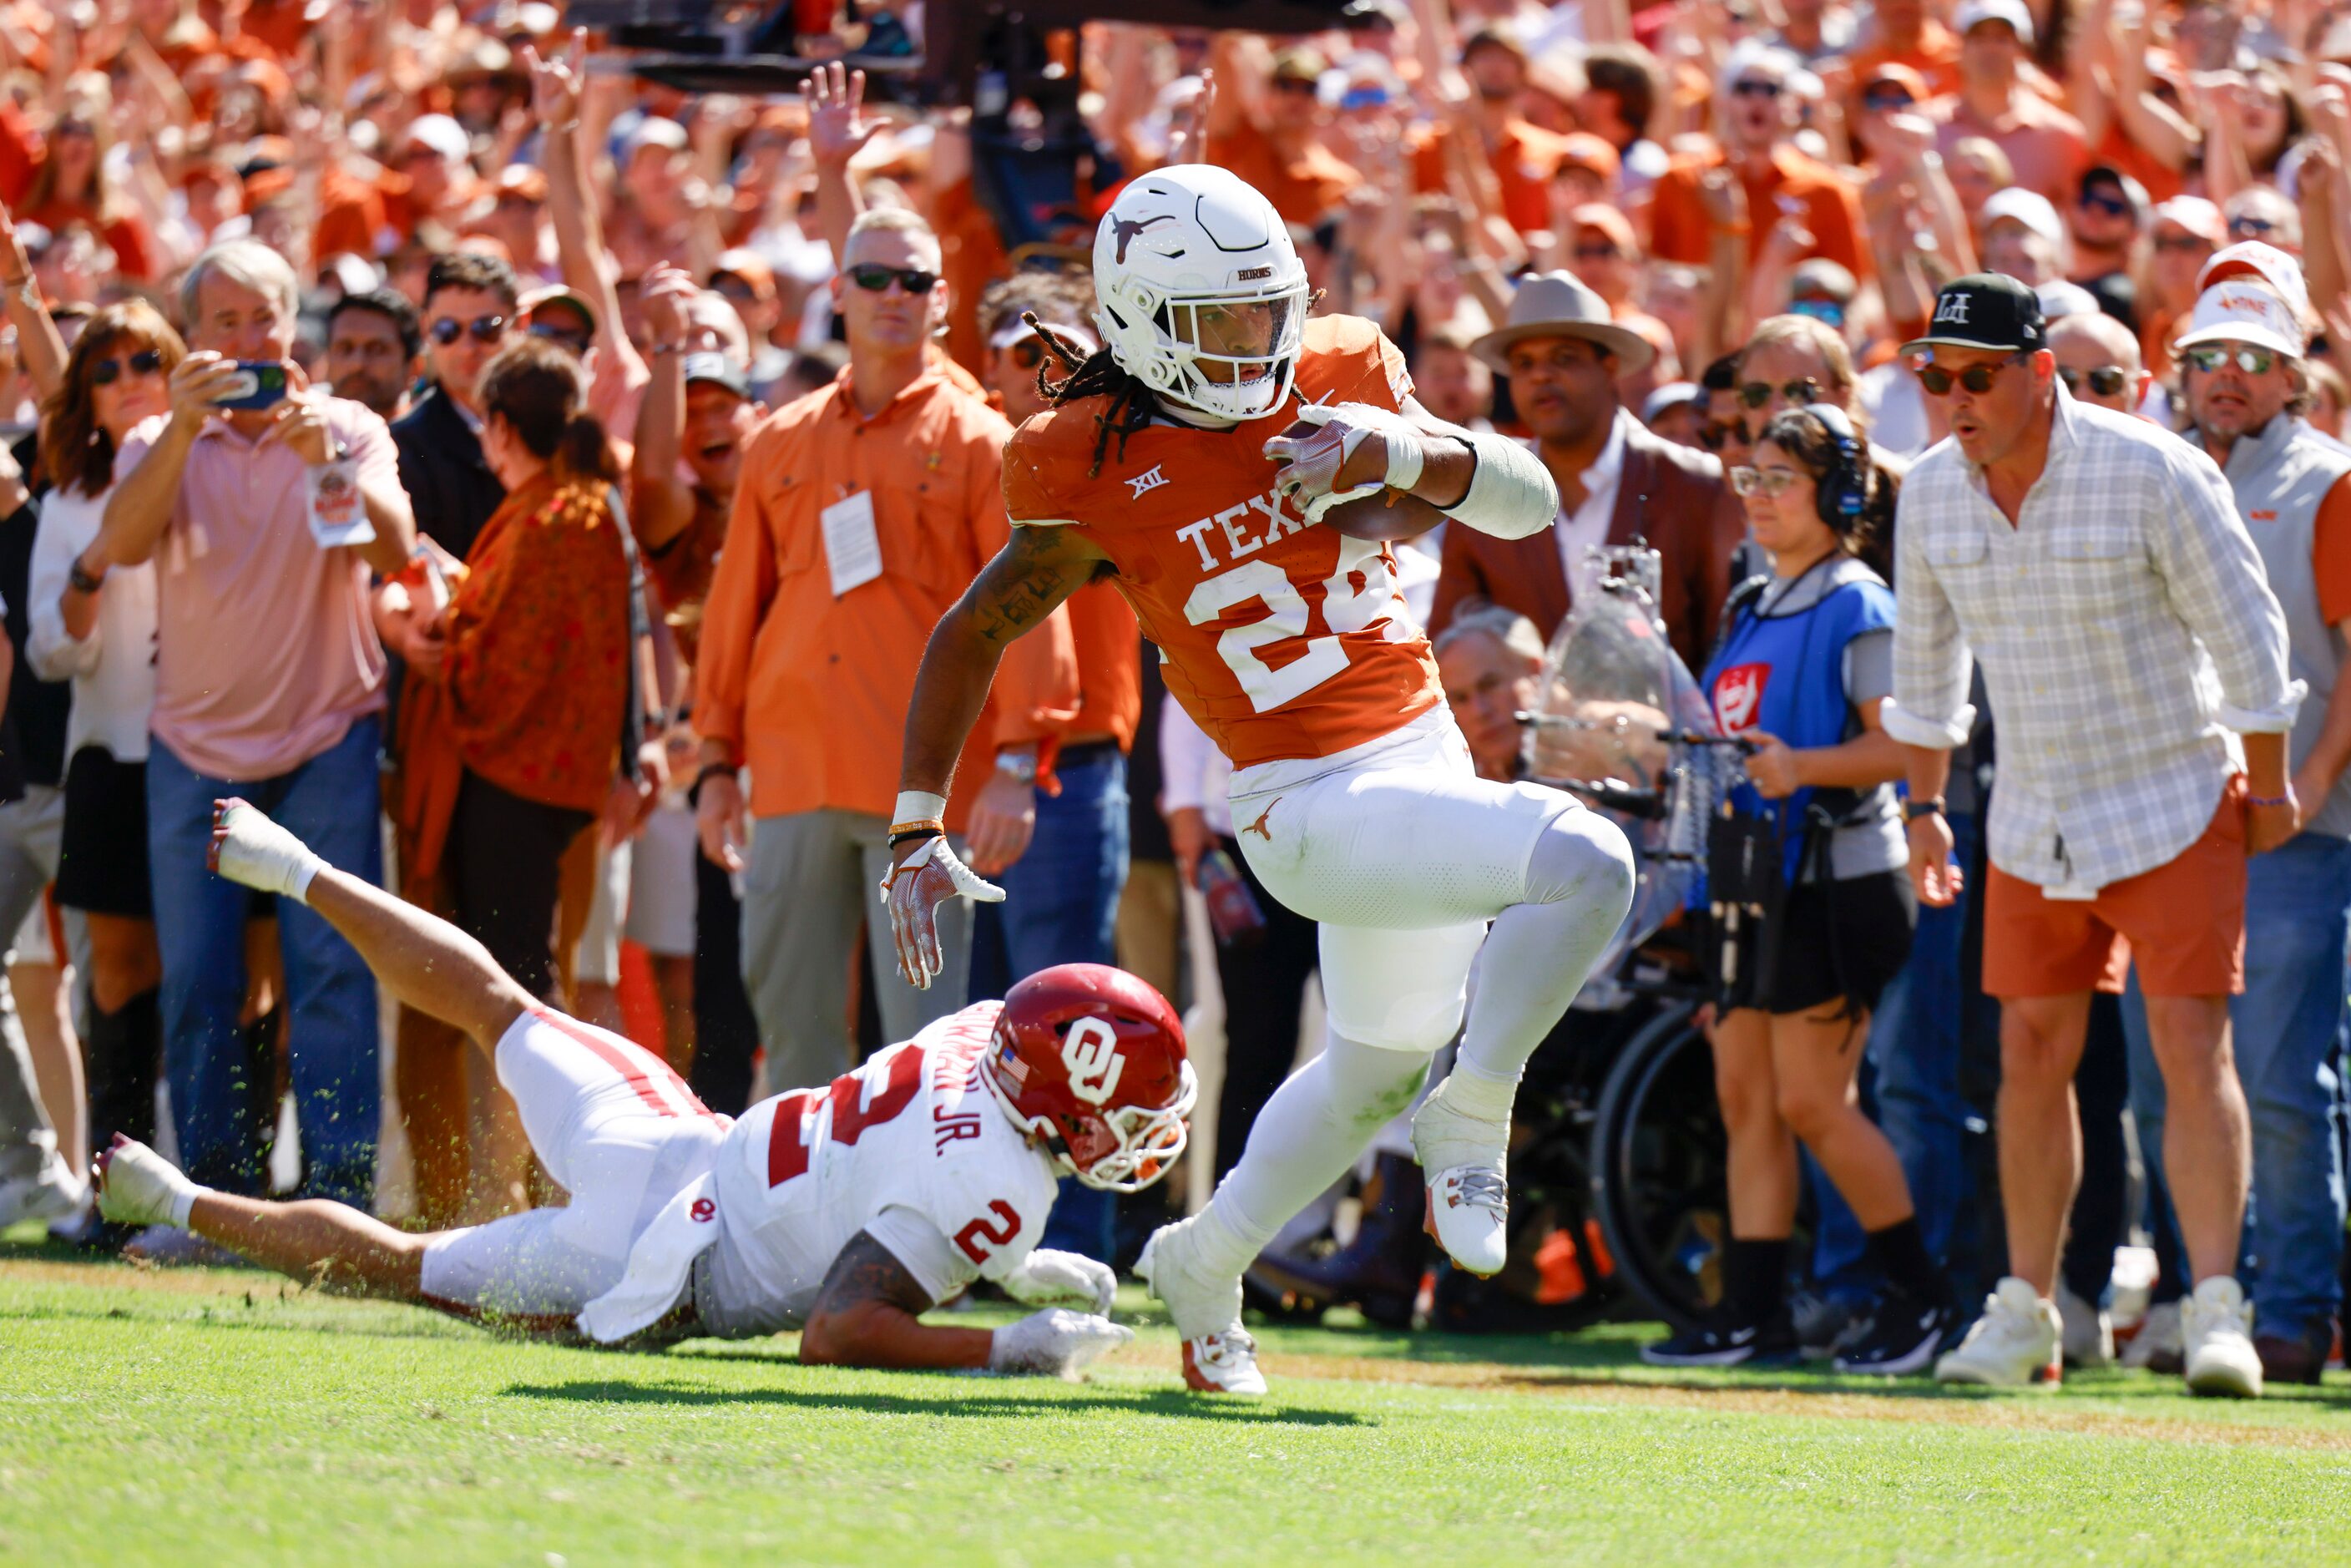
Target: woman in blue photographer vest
(1806, 656)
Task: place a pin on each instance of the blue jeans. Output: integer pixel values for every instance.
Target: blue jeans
(2288, 1035)
(332, 804)
(1914, 1046)
(1060, 906)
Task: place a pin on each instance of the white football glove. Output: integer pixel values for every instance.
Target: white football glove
(1054, 1343)
(1050, 1278)
(913, 891)
(1312, 462)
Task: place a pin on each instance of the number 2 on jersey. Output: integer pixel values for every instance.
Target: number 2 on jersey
(787, 1140)
(1345, 608)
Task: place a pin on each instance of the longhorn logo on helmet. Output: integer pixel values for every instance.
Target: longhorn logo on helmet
(1090, 1054)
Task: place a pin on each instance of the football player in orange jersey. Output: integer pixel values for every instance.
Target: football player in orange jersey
(1167, 466)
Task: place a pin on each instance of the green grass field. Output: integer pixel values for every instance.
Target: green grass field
(217, 1417)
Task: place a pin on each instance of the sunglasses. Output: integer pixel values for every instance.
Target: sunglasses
(2250, 226)
(1715, 437)
(2106, 381)
(571, 338)
(2113, 206)
(2211, 357)
(484, 328)
(875, 279)
(1977, 379)
(1755, 394)
(2182, 242)
(1886, 101)
(1827, 311)
(1756, 482)
(106, 372)
(1294, 84)
(1028, 354)
(1597, 253)
(1753, 88)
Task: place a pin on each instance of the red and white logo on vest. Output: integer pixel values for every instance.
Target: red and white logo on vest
(1739, 696)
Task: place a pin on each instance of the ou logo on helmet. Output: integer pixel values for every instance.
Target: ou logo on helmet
(1090, 1051)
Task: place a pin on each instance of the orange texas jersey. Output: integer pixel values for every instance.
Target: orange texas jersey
(1282, 641)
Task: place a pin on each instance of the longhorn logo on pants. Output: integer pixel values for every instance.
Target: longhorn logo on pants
(1090, 1054)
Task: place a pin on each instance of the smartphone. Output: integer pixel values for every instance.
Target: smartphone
(260, 383)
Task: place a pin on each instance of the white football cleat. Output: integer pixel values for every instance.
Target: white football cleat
(136, 1186)
(248, 848)
(2159, 1345)
(2015, 1343)
(1220, 1357)
(2216, 1326)
(1469, 1198)
(49, 1191)
(1224, 1363)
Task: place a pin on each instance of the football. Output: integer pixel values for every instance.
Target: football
(1390, 514)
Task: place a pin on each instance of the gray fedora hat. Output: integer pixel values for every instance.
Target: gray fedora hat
(1558, 305)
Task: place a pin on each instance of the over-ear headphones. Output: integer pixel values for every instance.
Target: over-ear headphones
(1844, 491)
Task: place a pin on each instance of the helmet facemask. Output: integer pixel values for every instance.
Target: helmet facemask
(1229, 356)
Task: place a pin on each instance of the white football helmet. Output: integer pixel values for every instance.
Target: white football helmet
(1203, 298)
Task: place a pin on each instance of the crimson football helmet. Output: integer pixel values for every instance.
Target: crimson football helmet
(1091, 1060)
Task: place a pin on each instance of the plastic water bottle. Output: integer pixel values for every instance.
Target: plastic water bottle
(1233, 910)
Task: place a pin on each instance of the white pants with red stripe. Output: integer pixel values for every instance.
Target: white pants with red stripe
(618, 1131)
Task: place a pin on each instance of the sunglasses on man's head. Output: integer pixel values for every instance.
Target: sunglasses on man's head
(2106, 381)
(1716, 436)
(2210, 356)
(484, 328)
(874, 278)
(1977, 379)
(106, 372)
(1755, 86)
(1755, 394)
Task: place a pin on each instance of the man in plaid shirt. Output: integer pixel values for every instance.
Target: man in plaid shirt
(2136, 659)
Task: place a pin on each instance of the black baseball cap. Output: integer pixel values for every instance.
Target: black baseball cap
(1984, 310)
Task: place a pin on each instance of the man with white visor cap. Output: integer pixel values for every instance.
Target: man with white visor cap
(2241, 370)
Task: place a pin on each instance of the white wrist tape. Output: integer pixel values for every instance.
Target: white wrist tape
(1406, 457)
(918, 806)
(1511, 496)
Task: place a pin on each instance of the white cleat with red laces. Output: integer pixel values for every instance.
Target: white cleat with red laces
(1220, 1357)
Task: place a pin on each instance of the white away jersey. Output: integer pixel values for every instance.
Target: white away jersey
(911, 1146)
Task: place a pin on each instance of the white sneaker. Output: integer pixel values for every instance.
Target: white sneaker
(1220, 1357)
(2160, 1342)
(2088, 1333)
(248, 848)
(136, 1186)
(50, 1192)
(2216, 1326)
(2013, 1345)
(1469, 1198)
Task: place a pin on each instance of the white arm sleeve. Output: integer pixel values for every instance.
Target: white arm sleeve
(1511, 496)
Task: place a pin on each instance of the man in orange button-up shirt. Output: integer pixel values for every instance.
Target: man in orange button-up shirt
(862, 512)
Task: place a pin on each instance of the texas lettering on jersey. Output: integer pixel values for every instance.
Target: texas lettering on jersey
(1282, 640)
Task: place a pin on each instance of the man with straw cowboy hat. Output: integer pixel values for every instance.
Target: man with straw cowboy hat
(1617, 483)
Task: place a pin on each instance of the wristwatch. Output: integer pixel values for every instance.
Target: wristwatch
(1914, 810)
(1020, 767)
(82, 582)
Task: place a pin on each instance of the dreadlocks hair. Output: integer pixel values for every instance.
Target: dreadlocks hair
(1132, 407)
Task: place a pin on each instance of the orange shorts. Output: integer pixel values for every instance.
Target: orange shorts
(2184, 923)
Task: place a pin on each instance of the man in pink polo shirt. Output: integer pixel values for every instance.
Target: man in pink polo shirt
(269, 683)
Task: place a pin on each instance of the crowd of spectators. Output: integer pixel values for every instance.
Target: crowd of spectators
(634, 439)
